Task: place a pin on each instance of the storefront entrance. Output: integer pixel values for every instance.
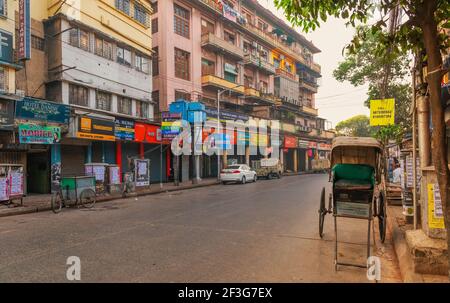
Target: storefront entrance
(38, 172)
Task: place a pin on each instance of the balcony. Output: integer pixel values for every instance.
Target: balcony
(250, 59)
(216, 82)
(214, 5)
(286, 74)
(303, 129)
(310, 110)
(254, 94)
(216, 44)
(316, 67)
(308, 86)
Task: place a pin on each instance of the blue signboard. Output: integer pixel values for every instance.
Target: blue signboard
(34, 109)
(124, 129)
(24, 37)
(6, 47)
(225, 115)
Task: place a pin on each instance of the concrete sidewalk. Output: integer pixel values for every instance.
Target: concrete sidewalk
(397, 226)
(37, 203)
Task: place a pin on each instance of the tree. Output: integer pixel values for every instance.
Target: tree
(365, 67)
(357, 126)
(423, 32)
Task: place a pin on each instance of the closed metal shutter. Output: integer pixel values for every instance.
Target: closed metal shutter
(72, 160)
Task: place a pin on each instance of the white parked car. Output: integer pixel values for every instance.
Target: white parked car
(238, 173)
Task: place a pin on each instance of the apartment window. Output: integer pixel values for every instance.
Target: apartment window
(3, 79)
(3, 8)
(141, 14)
(182, 64)
(123, 5)
(248, 81)
(142, 109)
(155, 26)
(37, 42)
(207, 27)
(155, 99)
(79, 38)
(124, 105)
(123, 56)
(276, 62)
(229, 37)
(181, 21)
(142, 63)
(208, 67)
(103, 48)
(155, 61)
(78, 95)
(155, 7)
(182, 95)
(230, 72)
(103, 101)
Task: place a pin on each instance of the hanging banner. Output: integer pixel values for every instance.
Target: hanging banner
(435, 212)
(37, 134)
(382, 112)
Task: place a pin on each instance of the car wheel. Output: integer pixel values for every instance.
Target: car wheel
(255, 178)
(243, 180)
(224, 183)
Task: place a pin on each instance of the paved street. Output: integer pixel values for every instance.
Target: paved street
(262, 232)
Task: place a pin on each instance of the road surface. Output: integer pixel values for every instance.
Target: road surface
(259, 232)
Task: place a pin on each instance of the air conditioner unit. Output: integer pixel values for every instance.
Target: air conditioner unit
(20, 93)
(282, 57)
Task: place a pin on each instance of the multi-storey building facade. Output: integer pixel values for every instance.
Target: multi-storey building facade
(203, 47)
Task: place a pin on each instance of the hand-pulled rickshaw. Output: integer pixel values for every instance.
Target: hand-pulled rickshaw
(356, 175)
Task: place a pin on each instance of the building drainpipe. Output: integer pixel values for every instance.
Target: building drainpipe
(119, 158)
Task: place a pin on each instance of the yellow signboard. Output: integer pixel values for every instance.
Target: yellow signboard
(382, 112)
(435, 212)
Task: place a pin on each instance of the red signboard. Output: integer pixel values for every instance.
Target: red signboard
(147, 133)
(290, 142)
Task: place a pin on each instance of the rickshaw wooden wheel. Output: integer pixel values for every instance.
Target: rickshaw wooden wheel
(87, 198)
(381, 212)
(322, 212)
(56, 202)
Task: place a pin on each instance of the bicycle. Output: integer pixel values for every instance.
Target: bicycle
(67, 194)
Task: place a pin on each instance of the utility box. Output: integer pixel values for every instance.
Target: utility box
(113, 179)
(97, 170)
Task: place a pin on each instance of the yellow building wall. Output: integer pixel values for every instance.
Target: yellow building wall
(288, 60)
(103, 16)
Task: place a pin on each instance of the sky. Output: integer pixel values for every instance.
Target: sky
(336, 101)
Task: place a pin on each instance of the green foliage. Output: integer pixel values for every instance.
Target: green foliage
(357, 126)
(391, 132)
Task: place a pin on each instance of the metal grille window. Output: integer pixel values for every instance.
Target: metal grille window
(182, 95)
(141, 14)
(155, 99)
(103, 48)
(123, 5)
(3, 8)
(207, 27)
(123, 56)
(142, 109)
(79, 38)
(208, 67)
(182, 64)
(155, 26)
(155, 61)
(125, 105)
(181, 21)
(78, 95)
(142, 63)
(155, 7)
(103, 101)
(3, 79)
(37, 42)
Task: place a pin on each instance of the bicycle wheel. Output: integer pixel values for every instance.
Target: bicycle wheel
(322, 212)
(56, 202)
(382, 221)
(88, 198)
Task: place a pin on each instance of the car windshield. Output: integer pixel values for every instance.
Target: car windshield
(234, 167)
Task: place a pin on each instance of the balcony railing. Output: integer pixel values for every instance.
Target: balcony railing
(213, 4)
(316, 67)
(211, 80)
(310, 110)
(282, 72)
(260, 63)
(218, 44)
(308, 86)
(260, 95)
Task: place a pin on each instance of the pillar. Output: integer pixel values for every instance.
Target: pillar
(103, 153)
(423, 130)
(168, 162)
(141, 150)
(225, 159)
(55, 167)
(119, 158)
(295, 160)
(89, 153)
(247, 155)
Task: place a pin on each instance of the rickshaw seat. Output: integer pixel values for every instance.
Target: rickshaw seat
(353, 176)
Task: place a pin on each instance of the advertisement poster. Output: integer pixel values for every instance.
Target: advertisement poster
(114, 175)
(98, 171)
(142, 173)
(435, 213)
(37, 134)
(16, 180)
(4, 189)
(382, 112)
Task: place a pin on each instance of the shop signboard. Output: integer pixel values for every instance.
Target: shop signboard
(124, 129)
(211, 114)
(38, 134)
(290, 142)
(96, 129)
(324, 146)
(382, 112)
(6, 115)
(6, 46)
(170, 126)
(24, 49)
(312, 144)
(34, 109)
(142, 172)
(147, 133)
(303, 143)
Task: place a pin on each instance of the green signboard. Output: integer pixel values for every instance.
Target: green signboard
(38, 134)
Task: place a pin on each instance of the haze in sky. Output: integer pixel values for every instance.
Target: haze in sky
(336, 101)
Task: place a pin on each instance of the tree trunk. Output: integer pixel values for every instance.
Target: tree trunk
(439, 144)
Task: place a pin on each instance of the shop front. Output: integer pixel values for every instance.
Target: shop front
(290, 153)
